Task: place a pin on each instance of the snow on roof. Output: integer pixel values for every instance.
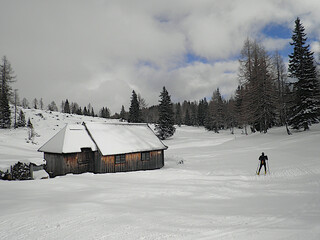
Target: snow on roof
(70, 139)
(109, 138)
(119, 138)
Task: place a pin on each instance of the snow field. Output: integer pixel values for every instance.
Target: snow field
(214, 194)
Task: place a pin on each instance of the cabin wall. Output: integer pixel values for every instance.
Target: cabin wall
(54, 164)
(107, 164)
(73, 163)
(61, 164)
(133, 162)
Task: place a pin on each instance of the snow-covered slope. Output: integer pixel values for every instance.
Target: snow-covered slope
(14, 144)
(214, 194)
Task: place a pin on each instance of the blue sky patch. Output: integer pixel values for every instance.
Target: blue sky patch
(277, 31)
(191, 58)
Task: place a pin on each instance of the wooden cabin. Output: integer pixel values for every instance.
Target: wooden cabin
(103, 148)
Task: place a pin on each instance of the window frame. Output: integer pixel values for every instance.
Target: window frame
(121, 159)
(145, 156)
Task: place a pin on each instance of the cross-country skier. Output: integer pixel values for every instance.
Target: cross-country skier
(263, 158)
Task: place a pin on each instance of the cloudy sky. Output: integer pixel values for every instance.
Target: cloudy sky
(98, 51)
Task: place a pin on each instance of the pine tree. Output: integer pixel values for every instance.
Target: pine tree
(21, 119)
(105, 112)
(6, 77)
(85, 111)
(66, 107)
(41, 104)
(74, 108)
(202, 111)
(35, 103)
(178, 118)
(123, 114)
(25, 103)
(230, 114)
(165, 126)
(187, 118)
(215, 119)
(53, 107)
(306, 107)
(79, 111)
(134, 110)
(194, 114)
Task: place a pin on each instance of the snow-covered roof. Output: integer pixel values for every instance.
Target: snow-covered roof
(119, 138)
(109, 138)
(70, 139)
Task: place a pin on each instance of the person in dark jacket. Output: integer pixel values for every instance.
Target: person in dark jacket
(263, 158)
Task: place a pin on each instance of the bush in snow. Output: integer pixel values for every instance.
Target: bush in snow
(19, 171)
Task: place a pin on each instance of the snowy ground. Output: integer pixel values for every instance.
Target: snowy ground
(215, 194)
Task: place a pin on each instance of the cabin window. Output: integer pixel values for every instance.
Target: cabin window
(145, 156)
(120, 158)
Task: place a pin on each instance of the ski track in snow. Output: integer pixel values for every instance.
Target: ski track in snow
(214, 194)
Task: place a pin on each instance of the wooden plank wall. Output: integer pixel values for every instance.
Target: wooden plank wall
(107, 164)
(61, 164)
(133, 162)
(71, 163)
(54, 164)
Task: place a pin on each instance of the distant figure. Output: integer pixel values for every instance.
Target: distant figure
(263, 158)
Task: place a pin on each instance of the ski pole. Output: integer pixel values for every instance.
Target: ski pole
(257, 169)
(268, 167)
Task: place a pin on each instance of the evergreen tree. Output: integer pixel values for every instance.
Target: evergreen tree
(85, 111)
(79, 111)
(230, 114)
(21, 119)
(66, 107)
(6, 77)
(53, 107)
(41, 104)
(74, 108)
(215, 119)
(194, 114)
(105, 112)
(62, 106)
(25, 103)
(134, 110)
(202, 111)
(165, 126)
(123, 114)
(178, 117)
(305, 109)
(35, 103)
(187, 118)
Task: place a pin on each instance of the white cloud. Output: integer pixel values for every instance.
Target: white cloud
(273, 44)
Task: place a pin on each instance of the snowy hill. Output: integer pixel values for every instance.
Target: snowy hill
(14, 145)
(214, 194)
